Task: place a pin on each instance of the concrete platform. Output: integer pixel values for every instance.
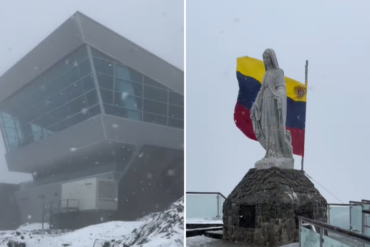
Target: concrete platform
(214, 234)
(201, 231)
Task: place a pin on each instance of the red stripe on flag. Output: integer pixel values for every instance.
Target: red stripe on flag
(244, 123)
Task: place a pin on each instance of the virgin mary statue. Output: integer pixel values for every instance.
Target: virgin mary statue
(269, 112)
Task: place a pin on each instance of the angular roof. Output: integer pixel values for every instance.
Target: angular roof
(79, 30)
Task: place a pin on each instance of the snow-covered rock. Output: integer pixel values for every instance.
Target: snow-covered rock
(164, 229)
(160, 229)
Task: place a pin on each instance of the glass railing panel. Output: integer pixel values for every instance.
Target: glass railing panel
(367, 226)
(308, 237)
(336, 240)
(222, 200)
(339, 216)
(356, 218)
(330, 236)
(201, 207)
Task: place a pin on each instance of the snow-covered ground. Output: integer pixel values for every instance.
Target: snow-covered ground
(202, 241)
(162, 229)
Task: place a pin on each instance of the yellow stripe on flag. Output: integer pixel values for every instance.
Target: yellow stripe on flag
(255, 68)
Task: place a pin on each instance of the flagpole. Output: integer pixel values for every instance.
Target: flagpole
(305, 82)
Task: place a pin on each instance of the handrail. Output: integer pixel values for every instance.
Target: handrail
(205, 193)
(355, 202)
(55, 207)
(338, 204)
(346, 233)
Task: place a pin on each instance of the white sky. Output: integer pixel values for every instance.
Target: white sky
(333, 35)
(157, 26)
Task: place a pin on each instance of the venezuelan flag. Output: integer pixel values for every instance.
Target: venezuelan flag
(250, 73)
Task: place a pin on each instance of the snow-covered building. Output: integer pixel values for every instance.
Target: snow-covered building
(86, 103)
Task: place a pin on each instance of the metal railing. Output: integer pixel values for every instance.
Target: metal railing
(316, 233)
(56, 207)
(348, 216)
(208, 206)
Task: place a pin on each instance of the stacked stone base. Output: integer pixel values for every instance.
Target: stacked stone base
(263, 208)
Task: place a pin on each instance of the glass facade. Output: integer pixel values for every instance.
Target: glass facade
(130, 94)
(65, 95)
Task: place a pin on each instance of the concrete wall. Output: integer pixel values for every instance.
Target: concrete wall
(142, 133)
(88, 138)
(31, 201)
(9, 214)
(57, 148)
(67, 38)
(77, 220)
(149, 184)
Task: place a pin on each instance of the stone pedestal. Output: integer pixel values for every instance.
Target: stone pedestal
(263, 207)
(266, 163)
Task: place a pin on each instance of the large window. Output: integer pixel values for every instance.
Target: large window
(63, 96)
(130, 94)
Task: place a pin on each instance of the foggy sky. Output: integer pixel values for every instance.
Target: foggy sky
(157, 26)
(333, 35)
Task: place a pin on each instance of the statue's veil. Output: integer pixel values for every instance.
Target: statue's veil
(274, 61)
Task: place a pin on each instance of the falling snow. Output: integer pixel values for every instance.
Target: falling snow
(170, 172)
(124, 95)
(84, 111)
